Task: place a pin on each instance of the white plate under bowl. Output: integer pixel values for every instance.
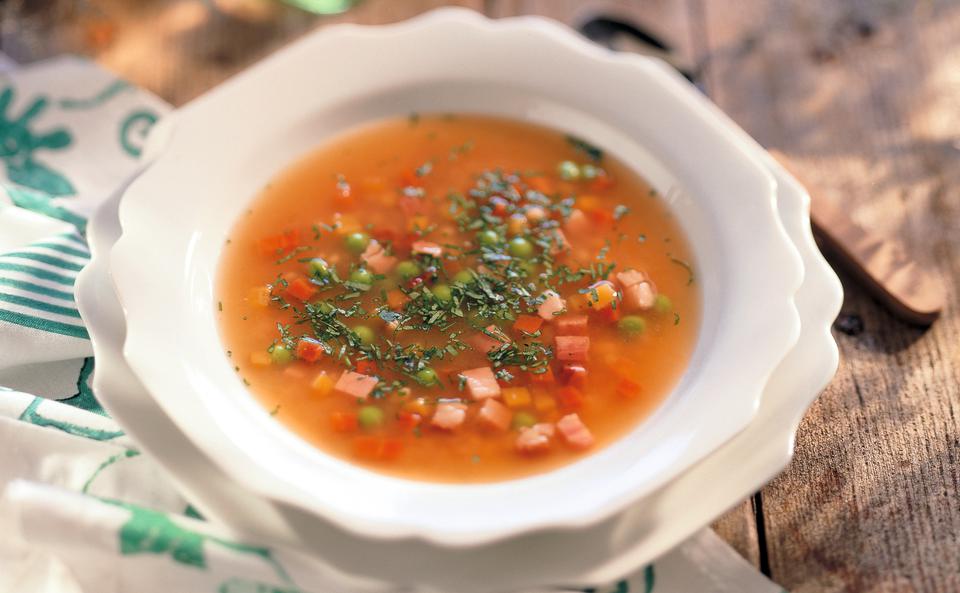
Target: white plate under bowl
(589, 558)
(176, 216)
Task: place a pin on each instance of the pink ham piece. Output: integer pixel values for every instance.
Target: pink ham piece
(427, 248)
(639, 291)
(495, 415)
(572, 348)
(481, 383)
(355, 384)
(572, 325)
(377, 259)
(577, 223)
(551, 306)
(535, 439)
(449, 415)
(575, 432)
(484, 343)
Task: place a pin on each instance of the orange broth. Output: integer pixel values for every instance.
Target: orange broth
(469, 186)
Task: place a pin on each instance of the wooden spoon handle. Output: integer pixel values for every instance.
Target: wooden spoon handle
(880, 264)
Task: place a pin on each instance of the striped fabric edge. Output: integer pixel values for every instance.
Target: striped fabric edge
(36, 285)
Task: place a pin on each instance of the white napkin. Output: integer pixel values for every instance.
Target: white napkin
(81, 510)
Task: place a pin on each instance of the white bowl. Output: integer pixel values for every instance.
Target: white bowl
(591, 557)
(176, 216)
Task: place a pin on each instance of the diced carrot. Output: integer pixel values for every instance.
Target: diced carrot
(572, 325)
(516, 397)
(355, 384)
(628, 388)
(377, 448)
(495, 415)
(572, 348)
(408, 420)
(322, 384)
(396, 299)
(449, 415)
(535, 439)
(602, 294)
(344, 421)
(569, 398)
(419, 406)
(551, 306)
(366, 367)
(260, 358)
(575, 432)
(527, 323)
(499, 206)
(300, 288)
(481, 383)
(543, 402)
(427, 248)
(574, 375)
(544, 378)
(309, 350)
(259, 296)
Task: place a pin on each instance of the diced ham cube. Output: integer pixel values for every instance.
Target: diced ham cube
(535, 439)
(572, 348)
(485, 343)
(552, 305)
(481, 383)
(377, 258)
(572, 325)
(355, 384)
(577, 223)
(495, 415)
(449, 415)
(639, 296)
(575, 432)
(427, 248)
(630, 277)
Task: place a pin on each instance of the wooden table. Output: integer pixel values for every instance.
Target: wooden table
(863, 96)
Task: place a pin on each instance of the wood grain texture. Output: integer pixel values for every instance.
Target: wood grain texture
(863, 97)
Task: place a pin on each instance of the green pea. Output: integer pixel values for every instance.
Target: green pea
(365, 334)
(520, 247)
(568, 171)
(280, 355)
(632, 325)
(370, 416)
(426, 376)
(463, 277)
(408, 269)
(442, 293)
(523, 420)
(488, 237)
(357, 242)
(361, 276)
(588, 171)
(662, 304)
(318, 267)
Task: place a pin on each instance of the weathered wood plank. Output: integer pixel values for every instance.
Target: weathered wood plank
(864, 98)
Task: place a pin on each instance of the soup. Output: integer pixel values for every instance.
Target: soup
(458, 298)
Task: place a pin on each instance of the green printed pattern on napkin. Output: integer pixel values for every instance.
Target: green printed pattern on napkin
(70, 133)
